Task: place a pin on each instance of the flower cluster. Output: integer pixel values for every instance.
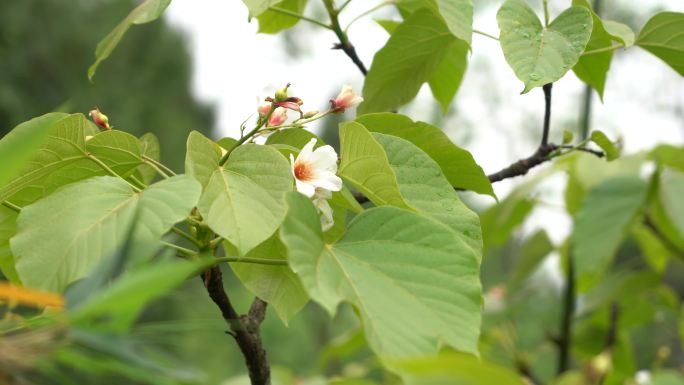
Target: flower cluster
(315, 173)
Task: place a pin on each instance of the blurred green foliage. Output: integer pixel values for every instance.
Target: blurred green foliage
(47, 46)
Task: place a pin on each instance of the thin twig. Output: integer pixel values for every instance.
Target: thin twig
(368, 12)
(159, 164)
(181, 249)
(110, 171)
(258, 261)
(185, 235)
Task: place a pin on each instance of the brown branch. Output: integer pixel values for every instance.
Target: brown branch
(344, 44)
(245, 328)
(522, 166)
(565, 339)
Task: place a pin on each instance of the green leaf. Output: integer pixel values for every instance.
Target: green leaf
(60, 238)
(532, 253)
(20, 144)
(243, 202)
(612, 152)
(295, 137)
(671, 196)
(669, 155)
(458, 165)
(149, 147)
(458, 15)
(568, 136)
(662, 37)
(620, 32)
(409, 303)
(654, 251)
(8, 227)
(273, 22)
(146, 12)
(447, 77)
(277, 285)
(121, 303)
(201, 157)
(537, 55)
(601, 224)
(364, 164)
(63, 158)
(424, 188)
(227, 143)
(410, 57)
(593, 69)
(119, 150)
(452, 368)
(257, 7)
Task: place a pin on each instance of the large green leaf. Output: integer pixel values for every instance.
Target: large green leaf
(601, 224)
(455, 369)
(414, 282)
(424, 188)
(20, 144)
(277, 285)
(532, 253)
(119, 304)
(364, 164)
(62, 237)
(672, 197)
(8, 227)
(458, 15)
(457, 164)
(120, 150)
(257, 7)
(662, 36)
(149, 147)
(146, 12)
(201, 157)
(65, 158)
(620, 32)
(243, 202)
(593, 69)
(541, 55)
(447, 77)
(274, 21)
(410, 57)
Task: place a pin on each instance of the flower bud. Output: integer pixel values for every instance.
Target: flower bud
(278, 117)
(347, 98)
(281, 95)
(310, 114)
(264, 109)
(100, 119)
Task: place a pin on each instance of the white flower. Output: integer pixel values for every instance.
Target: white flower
(320, 200)
(315, 169)
(347, 98)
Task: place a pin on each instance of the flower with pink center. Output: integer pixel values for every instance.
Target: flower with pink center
(278, 117)
(347, 98)
(315, 169)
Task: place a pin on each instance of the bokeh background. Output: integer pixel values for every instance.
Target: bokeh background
(204, 67)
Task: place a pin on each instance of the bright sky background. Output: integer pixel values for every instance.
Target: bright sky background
(235, 68)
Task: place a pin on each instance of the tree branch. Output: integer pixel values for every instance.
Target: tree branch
(547, 114)
(245, 328)
(344, 44)
(522, 166)
(565, 339)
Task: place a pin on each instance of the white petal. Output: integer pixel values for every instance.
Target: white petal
(324, 158)
(324, 208)
(326, 180)
(305, 188)
(322, 193)
(306, 151)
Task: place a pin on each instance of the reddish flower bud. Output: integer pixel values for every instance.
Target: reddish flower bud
(100, 119)
(278, 117)
(347, 98)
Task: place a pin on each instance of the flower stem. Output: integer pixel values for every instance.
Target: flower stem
(243, 139)
(182, 249)
(546, 13)
(185, 235)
